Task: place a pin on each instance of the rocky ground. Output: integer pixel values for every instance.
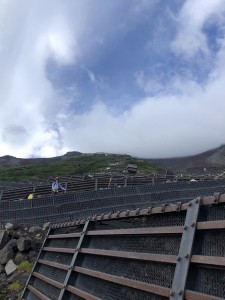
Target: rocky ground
(19, 247)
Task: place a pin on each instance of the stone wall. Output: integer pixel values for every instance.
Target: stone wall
(19, 248)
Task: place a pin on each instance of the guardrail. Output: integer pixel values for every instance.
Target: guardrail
(165, 252)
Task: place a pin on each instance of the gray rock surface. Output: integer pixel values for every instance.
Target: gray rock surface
(6, 254)
(10, 267)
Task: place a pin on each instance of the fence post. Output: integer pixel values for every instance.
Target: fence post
(184, 256)
(73, 260)
(1, 193)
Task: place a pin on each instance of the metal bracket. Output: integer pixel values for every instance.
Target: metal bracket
(137, 211)
(127, 213)
(149, 211)
(163, 208)
(178, 206)
(217, 197)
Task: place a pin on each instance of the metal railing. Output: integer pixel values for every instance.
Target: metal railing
(166, 252)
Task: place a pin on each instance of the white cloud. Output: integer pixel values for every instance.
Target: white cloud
(160, 126)
(183, 118)
(191, 20)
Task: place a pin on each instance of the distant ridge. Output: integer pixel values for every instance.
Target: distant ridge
(211, 159)
(11, 161)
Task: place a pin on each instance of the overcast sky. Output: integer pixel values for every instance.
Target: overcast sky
(138, 77)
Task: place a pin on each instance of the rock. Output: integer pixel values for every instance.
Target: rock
(13, 244)
(19, 258)
(38, 236)
(17, 234)
(46, 226)
(36, 245)
(23, 243)
(2, 269)
(18, 276)
(34, 229)
(4, 237)
(6, 254)
(32, 256)
(9, 226)
(3, 279)
(10, 267)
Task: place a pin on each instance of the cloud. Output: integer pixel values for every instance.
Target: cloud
(194, 15)
(68, 71)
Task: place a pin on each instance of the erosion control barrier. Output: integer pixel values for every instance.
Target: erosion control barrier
(167, 252)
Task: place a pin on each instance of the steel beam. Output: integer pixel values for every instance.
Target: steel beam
(73, 261)
(184, 256)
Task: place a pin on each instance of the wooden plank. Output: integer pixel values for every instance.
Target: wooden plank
(61, 250)
(53, 264)
(37, 293)
(64, 236)
(138, 231)
(132, 255)
(147, 287)
(82, 294)
(48, 280)
(208, 260)
(192, 295)
(211, 225)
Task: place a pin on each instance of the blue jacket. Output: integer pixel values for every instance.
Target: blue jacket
(57, 186)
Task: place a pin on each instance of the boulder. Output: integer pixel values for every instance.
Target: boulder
(2, 269)
(32, 256)
(6, 254)
(34, 229)
(46, 226)
(18, 276)
(13, 244)
(23, 243)
(9, 226)
(4, 238)
(19, 258)
(10, 267)
(36, 245)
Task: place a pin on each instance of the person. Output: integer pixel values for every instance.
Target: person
(30, 196)
(56, 186)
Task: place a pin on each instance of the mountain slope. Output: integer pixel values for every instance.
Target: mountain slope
(214, 158)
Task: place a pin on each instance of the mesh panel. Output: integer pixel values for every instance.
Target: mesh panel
(168, 219)
(144, 244)
(52, 273)
(47, 289)
(149, 272)
(157, 220)
(30, 296)
(61, 258)
(207, 281)
(210, 243)
(213, 213)
(62, 243)
(69, 296)
(73, 229)
(109, 291)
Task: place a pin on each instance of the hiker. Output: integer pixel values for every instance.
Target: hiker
(56, 186)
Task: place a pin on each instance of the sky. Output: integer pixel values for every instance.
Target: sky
(138, 77)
